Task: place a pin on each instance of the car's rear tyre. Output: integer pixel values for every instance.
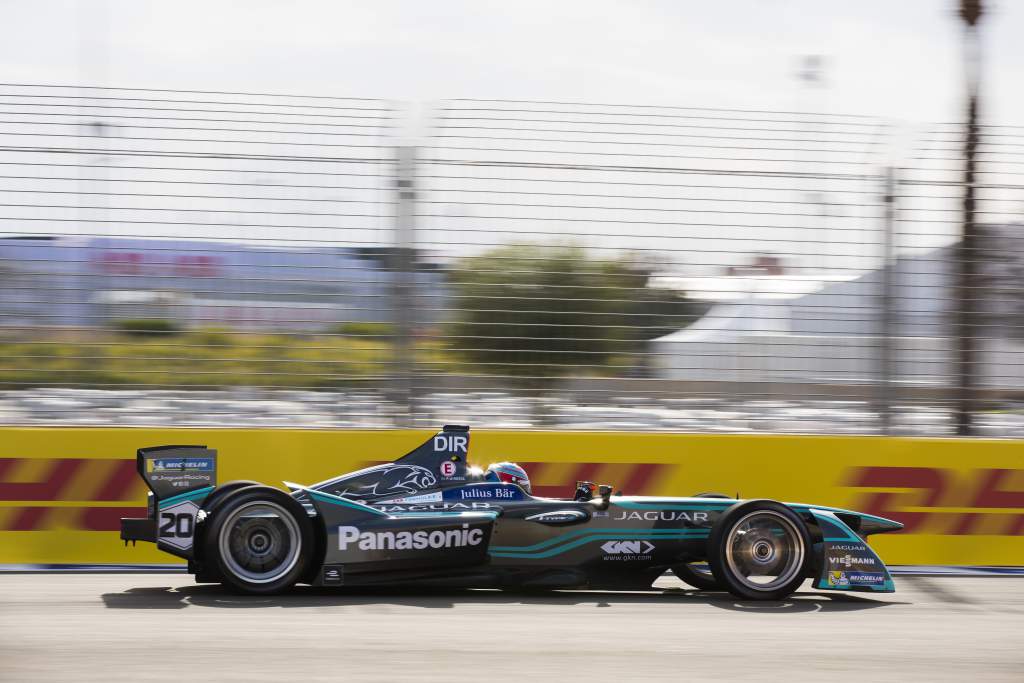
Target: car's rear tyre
(224, 490)
(259, 540)
(698, 575)
(760, 550)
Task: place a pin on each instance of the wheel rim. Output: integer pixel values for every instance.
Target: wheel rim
(259, 542)
(764, 550)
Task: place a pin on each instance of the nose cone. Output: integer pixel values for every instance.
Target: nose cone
(869, 524)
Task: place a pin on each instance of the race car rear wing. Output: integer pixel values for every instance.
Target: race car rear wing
(179, 479)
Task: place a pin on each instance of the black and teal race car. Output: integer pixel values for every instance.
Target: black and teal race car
(429, 519)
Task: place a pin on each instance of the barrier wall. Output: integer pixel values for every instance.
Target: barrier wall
(62, 491)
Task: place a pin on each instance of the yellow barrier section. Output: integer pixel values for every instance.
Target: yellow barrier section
(62, 491)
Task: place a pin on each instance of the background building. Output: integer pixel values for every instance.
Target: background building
(98, 281)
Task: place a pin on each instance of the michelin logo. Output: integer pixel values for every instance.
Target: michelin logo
(867, 578)
(181, 465)
(408, 540)
(847, 579)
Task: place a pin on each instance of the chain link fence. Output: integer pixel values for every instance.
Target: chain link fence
(198, 258)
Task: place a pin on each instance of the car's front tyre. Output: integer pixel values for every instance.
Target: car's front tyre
(698, 575)
(760, 550)
(259, 539)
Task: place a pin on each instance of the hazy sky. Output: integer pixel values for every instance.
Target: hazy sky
(900, 60)
(896, 59)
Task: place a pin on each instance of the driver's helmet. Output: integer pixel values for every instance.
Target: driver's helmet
(508, 473)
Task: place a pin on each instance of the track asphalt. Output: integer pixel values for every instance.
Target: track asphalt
(162, 627)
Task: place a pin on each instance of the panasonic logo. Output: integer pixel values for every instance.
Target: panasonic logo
(408, 540)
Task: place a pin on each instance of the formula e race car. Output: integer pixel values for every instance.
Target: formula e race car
(429, 519)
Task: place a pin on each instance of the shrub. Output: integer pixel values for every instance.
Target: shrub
(547, 311)
(355, 329)
(211, 336)
(147, 327)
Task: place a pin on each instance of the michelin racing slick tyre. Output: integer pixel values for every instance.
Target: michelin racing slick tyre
(259, 540)
(224, 490)
(760, 550)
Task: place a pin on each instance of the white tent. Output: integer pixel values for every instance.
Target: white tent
(833, 335)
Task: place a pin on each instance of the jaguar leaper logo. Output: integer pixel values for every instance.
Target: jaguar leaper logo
(392, 479)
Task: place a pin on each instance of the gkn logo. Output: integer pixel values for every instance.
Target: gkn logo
(627, 548)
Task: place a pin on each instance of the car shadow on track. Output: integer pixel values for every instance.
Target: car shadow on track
(162, 597)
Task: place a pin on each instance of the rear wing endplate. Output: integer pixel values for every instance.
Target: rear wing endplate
(179, 479)
(172, 470)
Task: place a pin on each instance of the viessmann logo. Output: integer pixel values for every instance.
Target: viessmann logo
(408, 540)
(849, 560)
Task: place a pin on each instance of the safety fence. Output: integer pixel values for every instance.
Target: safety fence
(205, 258)
(63, 491)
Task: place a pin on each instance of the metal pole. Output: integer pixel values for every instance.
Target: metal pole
(403, 286)
(886, 366)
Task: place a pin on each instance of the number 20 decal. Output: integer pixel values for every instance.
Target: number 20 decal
(176, 525)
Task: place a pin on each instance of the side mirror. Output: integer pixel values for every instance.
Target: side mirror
(604, 492)
(584, 491)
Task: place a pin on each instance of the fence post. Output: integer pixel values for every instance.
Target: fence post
(403, 286)
(886, 366)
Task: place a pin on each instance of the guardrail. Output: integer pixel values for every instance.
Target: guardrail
(62, 491)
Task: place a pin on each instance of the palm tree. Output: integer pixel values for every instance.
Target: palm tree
(968, 286)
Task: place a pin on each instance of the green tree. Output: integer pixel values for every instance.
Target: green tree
(541, 312)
